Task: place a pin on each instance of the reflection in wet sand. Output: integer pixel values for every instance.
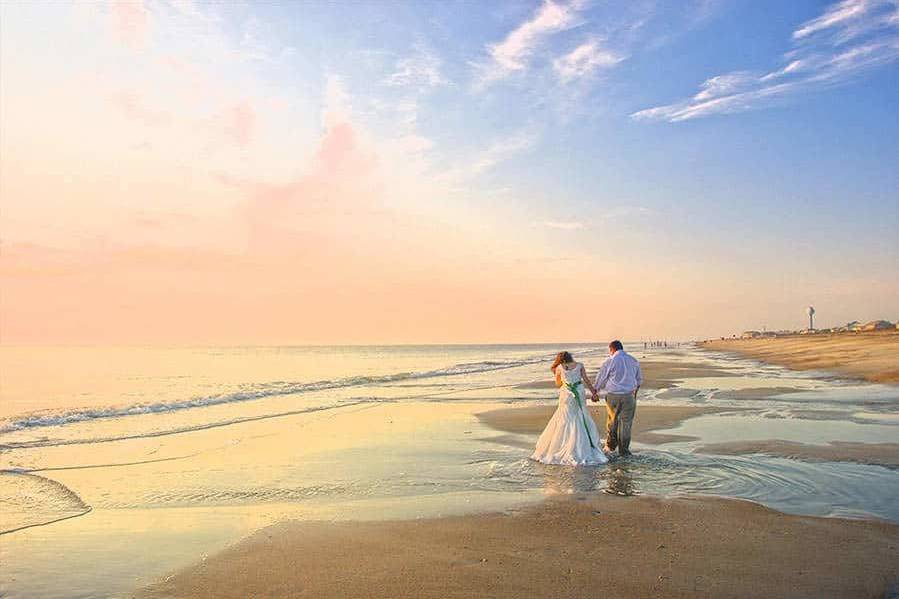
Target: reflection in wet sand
(569, 480)
(620, 481)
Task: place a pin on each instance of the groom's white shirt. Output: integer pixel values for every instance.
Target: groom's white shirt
(620, 373)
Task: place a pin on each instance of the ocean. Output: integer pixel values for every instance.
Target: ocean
(142, 458)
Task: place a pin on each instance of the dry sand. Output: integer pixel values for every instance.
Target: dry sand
(533, 419)
(880, 454)
(871, 356)
(599, 546)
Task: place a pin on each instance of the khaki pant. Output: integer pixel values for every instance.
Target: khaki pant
(620, 410)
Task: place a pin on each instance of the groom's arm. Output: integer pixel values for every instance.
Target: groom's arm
(639, 378)
(602, 377)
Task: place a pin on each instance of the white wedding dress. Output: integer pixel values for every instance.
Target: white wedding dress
(571, 437)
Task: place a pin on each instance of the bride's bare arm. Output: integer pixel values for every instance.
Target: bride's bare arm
(586, 380)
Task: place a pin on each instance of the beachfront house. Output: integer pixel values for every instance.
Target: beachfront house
(878, 325)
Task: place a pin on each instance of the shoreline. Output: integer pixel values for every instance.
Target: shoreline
(530, 420)
(574, 546)
(472, 504)
(870, 356)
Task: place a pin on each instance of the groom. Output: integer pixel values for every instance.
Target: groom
(620, 378)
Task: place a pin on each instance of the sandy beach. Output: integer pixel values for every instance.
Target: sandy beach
(872, 356)
(575, 547)
(419, 484)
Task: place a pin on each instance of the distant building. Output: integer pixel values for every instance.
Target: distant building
(878, 325)
(750, 334)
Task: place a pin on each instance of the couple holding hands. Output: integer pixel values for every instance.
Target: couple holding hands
(571, 437)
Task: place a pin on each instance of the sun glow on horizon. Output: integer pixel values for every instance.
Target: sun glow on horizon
(180, 172)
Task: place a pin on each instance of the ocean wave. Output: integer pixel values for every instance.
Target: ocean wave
(49, 442)
(261, 391)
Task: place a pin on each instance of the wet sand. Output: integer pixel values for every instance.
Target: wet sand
(533, 419)
(579, 545)
(656, 375)
(598, 545)
(879, 454)
(872, 356)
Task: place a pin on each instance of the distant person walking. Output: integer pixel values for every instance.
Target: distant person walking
(620, 378)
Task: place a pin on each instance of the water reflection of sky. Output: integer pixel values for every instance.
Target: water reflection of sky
(743, 427)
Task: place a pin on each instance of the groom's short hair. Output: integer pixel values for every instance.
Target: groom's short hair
(616, 345)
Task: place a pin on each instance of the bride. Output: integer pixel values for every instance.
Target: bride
(571, 437)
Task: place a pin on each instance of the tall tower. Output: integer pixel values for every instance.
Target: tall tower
(811, 318)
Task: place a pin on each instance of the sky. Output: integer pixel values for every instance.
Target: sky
(183, 172)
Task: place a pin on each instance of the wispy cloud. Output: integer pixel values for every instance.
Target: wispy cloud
(482, 161)
(514, 52)
(848, 38)
(724, 84)
(189, 9)
(565, 226)
(584, 60)
(626, 211)
(621, 213)
(837, 15)
(421, 70)
(502, 150)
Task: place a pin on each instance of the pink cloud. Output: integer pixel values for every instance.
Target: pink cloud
(340, 180)
(130, 22)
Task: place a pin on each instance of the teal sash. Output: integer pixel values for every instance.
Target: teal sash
(573, 387)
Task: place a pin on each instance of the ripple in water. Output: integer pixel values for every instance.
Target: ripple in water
(819, 489)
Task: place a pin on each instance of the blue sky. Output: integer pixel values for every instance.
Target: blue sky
(806, 180)
(820, 155)
(725, 162)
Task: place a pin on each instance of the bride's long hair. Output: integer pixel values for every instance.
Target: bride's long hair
(563, 358)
